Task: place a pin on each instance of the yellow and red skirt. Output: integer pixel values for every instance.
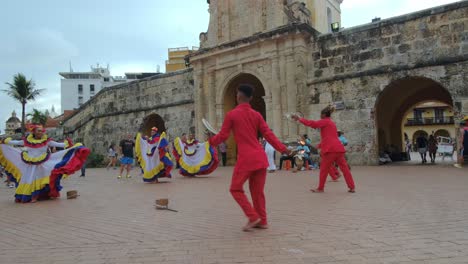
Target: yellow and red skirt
(40, 177)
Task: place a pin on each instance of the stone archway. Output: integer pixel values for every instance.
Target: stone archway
(442, 133)
(417, 134)
(394, 102)
(229, 103)
(150, 121)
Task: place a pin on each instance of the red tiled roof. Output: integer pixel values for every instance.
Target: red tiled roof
(55, 122)
(51, 122)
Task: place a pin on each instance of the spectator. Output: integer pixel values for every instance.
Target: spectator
(342, 138)
(432, 146)
(421, 142)
(112, 154)
(408, 148)
(127, 151)
(286, 157)
(223, 150)
(270, 152)
(308, 142)
(463, 141)
(305, 151)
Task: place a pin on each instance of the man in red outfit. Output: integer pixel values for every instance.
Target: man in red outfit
(252, 162)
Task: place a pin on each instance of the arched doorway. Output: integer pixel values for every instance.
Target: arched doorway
(418, 134)
(230, 103)
(394, 102)
(442, 133)
(150, 121)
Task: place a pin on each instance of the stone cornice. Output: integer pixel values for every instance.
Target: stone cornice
(397, 20)
(393, 68)
(126, 85)
(291, 28)
(142, 109)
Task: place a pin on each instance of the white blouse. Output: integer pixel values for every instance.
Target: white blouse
(36, 152)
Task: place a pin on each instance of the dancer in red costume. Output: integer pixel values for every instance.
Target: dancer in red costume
(332, 149)
(333, 171)
(252, 162)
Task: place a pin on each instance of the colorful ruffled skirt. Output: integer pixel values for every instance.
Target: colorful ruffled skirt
(197, 159)
(41, 178)
(153, 158)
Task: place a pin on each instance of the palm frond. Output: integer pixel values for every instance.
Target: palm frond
(12, 92)
(38, 117)
(35, 93)
(22, 89)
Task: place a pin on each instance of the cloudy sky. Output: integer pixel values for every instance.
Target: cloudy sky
(40, 38)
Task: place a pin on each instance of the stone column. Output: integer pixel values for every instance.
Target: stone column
(300, 99)
(219, 116)
(276, 99)
(268, 109)
(283, 95)
(211, 102)
(292, 93)
(199, 101)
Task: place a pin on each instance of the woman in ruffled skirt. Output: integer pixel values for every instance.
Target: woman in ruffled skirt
(153, 157)
(195, 158)
(36, 171)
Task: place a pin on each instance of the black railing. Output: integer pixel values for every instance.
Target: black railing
(430, 121)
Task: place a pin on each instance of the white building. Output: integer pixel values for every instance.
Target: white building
(79, 87)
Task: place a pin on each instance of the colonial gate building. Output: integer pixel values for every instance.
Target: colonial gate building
(376, 72)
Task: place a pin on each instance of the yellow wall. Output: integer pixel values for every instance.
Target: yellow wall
(174, 67)
(410, 130)
(427, 113)
(176, 59)
(178, 54)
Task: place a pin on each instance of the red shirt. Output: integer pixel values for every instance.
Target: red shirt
(246, 123)
(328, 133)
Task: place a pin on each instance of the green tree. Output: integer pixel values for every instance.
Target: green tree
(23, 91)
(38, 117)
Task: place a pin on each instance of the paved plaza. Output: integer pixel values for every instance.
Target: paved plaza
(400, 214)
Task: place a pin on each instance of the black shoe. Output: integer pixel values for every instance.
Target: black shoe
(81, 175)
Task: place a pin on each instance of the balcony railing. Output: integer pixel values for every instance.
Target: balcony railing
(175, 61)
(183, 49)
(427, 121)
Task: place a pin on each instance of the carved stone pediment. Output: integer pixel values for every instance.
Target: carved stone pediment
(297, 12)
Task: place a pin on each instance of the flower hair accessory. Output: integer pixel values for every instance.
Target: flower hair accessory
(33, 127)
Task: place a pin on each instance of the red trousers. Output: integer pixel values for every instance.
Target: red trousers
(256, 185)
(333, 172)
(326, 165)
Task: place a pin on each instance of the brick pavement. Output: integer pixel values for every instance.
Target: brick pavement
(404, 214)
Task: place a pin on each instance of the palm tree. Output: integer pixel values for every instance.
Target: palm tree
(38, 117)
(22, 90)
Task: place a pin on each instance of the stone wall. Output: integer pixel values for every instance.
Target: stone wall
(120, 110)
(377, 70)
(356, 65)
(234, 20)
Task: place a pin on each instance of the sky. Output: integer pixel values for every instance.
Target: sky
(41, 38)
